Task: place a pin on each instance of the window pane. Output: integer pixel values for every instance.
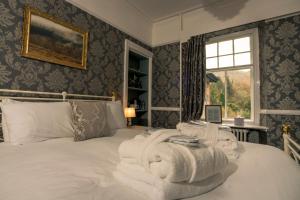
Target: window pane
(242, 59)
(238, 93)
(215, 89)
(226, 61)
(211, 50)
(225, 47)
(242, 44)
(211, 63)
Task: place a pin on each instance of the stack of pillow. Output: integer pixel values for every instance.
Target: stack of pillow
(28, 122)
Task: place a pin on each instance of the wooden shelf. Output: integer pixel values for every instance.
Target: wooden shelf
(138, 73)
(137, 89)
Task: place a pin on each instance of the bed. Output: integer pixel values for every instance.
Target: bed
(59, 169)
(63, 169)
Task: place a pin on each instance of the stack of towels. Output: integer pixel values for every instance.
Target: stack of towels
(212, 135)
(160, 167)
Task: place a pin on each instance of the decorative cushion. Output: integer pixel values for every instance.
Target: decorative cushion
(89, 120)
(115, 115)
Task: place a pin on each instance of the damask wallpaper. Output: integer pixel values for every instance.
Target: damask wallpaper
(274, 123)
(166, 76)
(280, 64)
(166, 84)
(165, 119)
(105, 53)
(280, 74)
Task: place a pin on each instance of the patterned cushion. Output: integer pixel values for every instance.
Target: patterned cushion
(90, 120)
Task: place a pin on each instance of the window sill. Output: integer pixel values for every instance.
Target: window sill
(231, 121)
(247, 121)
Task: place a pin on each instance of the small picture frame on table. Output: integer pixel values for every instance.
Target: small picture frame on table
(213, 113)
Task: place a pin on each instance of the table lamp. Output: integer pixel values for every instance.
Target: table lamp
(129, 113)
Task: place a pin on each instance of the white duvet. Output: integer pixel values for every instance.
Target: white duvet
(62, 169)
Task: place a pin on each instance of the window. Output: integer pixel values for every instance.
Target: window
(232, 75)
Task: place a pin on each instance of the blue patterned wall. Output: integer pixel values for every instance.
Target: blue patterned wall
(165, 119)
(166, 75)
(280, 75)
(104, 72)
(165, 84)
(280, 64)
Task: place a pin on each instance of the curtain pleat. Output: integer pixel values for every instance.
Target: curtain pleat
(193, 78)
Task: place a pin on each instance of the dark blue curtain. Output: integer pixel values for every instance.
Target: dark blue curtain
(193, 78)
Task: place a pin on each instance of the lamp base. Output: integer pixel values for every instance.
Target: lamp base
(129, 122)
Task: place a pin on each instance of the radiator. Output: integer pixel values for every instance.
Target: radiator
(240, 134)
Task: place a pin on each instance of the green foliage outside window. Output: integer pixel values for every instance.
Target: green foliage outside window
(237, 86)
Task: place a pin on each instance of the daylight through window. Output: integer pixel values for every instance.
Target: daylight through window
(229, 65)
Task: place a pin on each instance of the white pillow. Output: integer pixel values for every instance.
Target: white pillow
(115, 115)
(3, 120)
(33, 122)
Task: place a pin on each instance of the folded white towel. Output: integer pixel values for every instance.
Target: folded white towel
(155, 188)
(133, 150)
(198, 130)
(212, 136)
(172, 162)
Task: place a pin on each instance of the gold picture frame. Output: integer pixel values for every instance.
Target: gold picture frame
(49, 39)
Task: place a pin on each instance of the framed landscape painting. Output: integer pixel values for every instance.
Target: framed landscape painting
(49, 39)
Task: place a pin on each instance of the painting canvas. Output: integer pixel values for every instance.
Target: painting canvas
(48, 39)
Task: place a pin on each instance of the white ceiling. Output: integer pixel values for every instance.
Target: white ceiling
(156, 10)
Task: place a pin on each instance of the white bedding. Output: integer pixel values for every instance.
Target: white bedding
(62, 169)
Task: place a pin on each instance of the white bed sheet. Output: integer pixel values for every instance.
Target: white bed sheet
(61, 169)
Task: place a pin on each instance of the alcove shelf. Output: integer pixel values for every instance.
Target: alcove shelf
(137, 82)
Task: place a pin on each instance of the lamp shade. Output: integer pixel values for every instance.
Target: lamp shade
(129, 112)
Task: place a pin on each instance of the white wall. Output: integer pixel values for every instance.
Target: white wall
(166, 31)
(119, 14)
(219, 16)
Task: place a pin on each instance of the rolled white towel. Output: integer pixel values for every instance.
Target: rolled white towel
(178, 163)
(155, 188)
(173, 162)
(133, 149)
(130, 150)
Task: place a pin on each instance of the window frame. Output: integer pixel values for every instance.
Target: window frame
(254, 69)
